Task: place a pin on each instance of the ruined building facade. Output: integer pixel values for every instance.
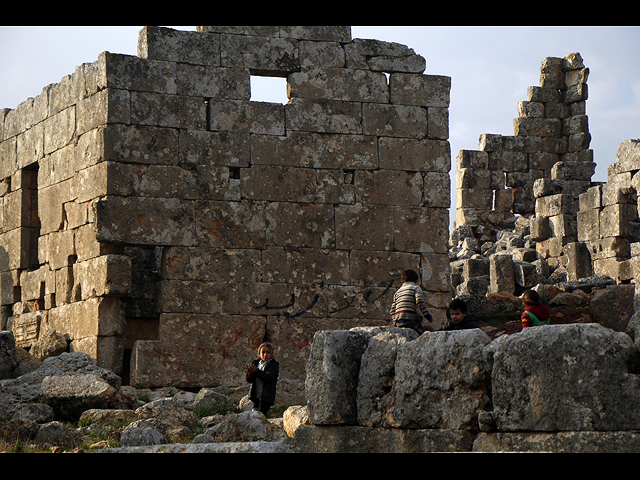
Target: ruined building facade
(168, 224)
(541, 177)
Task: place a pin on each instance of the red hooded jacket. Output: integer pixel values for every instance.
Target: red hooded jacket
(541, 311)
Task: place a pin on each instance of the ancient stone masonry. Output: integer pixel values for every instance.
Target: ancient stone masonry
(608, 223)
(149, 206)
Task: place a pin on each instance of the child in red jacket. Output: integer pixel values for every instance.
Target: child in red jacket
(535, 312)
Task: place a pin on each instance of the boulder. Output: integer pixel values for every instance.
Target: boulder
(440, 381)
(70, 395)
(578, 377)
(251, 426)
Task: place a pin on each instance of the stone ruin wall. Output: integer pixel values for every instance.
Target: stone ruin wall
(151, 209)
(539, 180)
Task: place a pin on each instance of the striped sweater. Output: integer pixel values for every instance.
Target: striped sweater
(408, 304)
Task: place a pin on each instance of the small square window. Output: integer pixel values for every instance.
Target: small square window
(269, 89)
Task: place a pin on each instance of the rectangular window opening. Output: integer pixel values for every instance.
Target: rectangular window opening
(270, 89)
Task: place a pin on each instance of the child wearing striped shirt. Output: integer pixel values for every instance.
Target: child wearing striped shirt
(408, 305)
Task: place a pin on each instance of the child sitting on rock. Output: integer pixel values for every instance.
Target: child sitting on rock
(535, 312)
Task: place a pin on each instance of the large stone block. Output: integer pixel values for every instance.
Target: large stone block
(145, 221)
(260, 118)
(502, 273)
(389, 187)
(339, 84)
(157, 43)
(332, 376)
(260, 54)
(423, 90)
(279, 184)
(324, 116)
(614, 220)
(364, 227)
(103, 276)
(394, 121)
(300, 225)
(414, 155)
(545, 380)
(230, 225)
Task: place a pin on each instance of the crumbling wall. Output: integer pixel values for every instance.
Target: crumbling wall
(608, 224)
(183, 222)
(551, 141)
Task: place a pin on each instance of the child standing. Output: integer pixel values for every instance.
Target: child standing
(263, 376)
(535, 312)
(408, 305)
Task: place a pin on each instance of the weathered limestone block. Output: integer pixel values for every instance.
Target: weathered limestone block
(563, 225)
(211, 264)
(249, 117)
(105, 107)
(588, 225)
(539, 228)
(381, 56)
(279, 184)
(324, 116)
(142, 144)
(525, 274)
(474, 159)
(103, 276)
(389, 187)
(300, 225)
(480, 199)
(377, 374)
(555, 205)
(424, 397)
(27, 326)
(260, 54)
(616, 268)
(305, 266)
(414, 155)
(502, 273)
(171, 111)
(573, 171)
(561, 442)
(145, 221)
(231, 225)
(628, 156)
(541, 127)
(157, 43)
(474, 267)
(373, 268)
(262, 31)
(565, 378)
(339, 84)
(332, 376)
(437, 190)
(364, 227)
(15, 249)
(423, 90)
(609, 247)
(578, 261)
(395, 121)
(614, 220)
(194, 296)
(200, 147)
(473, 178)
(340, 439)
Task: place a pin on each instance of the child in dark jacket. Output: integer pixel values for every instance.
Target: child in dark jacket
(263, 374)
(535, 312)
(460, 319)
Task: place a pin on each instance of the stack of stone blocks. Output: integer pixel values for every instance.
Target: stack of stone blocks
(608, 223)
(149, 206)
(538, 173)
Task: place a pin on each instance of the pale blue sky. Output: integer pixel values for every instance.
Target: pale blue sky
(490, 67)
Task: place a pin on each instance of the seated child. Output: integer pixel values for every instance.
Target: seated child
(535, 313)
(460, 319)
(408, 305)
